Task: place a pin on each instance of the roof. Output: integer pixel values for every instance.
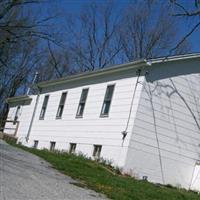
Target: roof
(117, 68)
(18, 98)
(109, 70)
(95, 73)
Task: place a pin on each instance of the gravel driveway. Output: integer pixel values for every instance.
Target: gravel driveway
(24, 176)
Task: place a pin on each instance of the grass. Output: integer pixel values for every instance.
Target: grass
(99, 178)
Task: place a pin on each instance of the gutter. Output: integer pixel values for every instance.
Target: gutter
(86, 75)
(174, 58)
(117, 68)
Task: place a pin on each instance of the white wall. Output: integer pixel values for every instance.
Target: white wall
(91, 129)
(24, 117)
(9, 126)
(165, 142)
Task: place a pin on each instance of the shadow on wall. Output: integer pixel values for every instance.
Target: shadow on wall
(155, 87)
(172, 69)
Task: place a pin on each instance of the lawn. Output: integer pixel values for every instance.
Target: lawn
(101, 179)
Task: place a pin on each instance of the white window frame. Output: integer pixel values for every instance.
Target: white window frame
(106, 100)
(82, 103)
(61, 106)
(44, 107)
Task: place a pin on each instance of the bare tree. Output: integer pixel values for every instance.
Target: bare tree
(92, 36)
(20, 38)
(148, 30)
(99, 36)
(103, 35)
(21, 64)
(16, 27)
(55, 63)
(189, 10)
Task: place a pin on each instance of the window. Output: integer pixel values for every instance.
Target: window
(107, 100)
(16, 114)
(82, 102)
(52, 146)
(44, 106)
(61, 105)
(97, 151)
(35, 145)
(72, 148)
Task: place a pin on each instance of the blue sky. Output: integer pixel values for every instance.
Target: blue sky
(74, 6)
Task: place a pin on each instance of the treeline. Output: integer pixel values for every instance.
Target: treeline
(100, 35)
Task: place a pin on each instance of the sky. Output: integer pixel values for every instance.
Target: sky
(74, 6)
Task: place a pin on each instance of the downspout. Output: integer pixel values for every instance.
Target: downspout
(124, 133)
(33, 115)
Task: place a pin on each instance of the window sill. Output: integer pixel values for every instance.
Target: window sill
(104, 116)
(79, 117)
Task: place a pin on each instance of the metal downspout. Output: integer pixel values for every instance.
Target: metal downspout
(124, 133)
(33, 116)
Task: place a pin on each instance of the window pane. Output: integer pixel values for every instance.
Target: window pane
(82, 102)
(80, 109)
(72, 148)
(109, 92)
(106, 107)
(60, 111)
(35, 144)
(17, 111)
(42, 113)
(61, 105)
(107, 100)
(16, 114)
(84, 95)
(44, 105)
(63, 97)
(45, 101)
(52, 146)
(97, 151)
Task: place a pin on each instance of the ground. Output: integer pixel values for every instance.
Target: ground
(24, 176)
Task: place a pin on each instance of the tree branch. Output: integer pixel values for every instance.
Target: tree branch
(54, 60)
(185, 37)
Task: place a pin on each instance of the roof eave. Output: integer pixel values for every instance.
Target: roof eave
(18, 99)
(174, 58)
(110, 70)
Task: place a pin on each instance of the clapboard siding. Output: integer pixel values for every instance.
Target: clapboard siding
(91, 128)
(163, 131)
(24, 118)
(165, 142)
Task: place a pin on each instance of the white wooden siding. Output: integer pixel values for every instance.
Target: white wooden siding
(91, 128)
(24, 119)
(165, 137)
(163, 140)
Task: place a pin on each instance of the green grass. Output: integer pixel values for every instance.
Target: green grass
(99, 178)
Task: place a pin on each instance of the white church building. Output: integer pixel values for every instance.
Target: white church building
(143, 116)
